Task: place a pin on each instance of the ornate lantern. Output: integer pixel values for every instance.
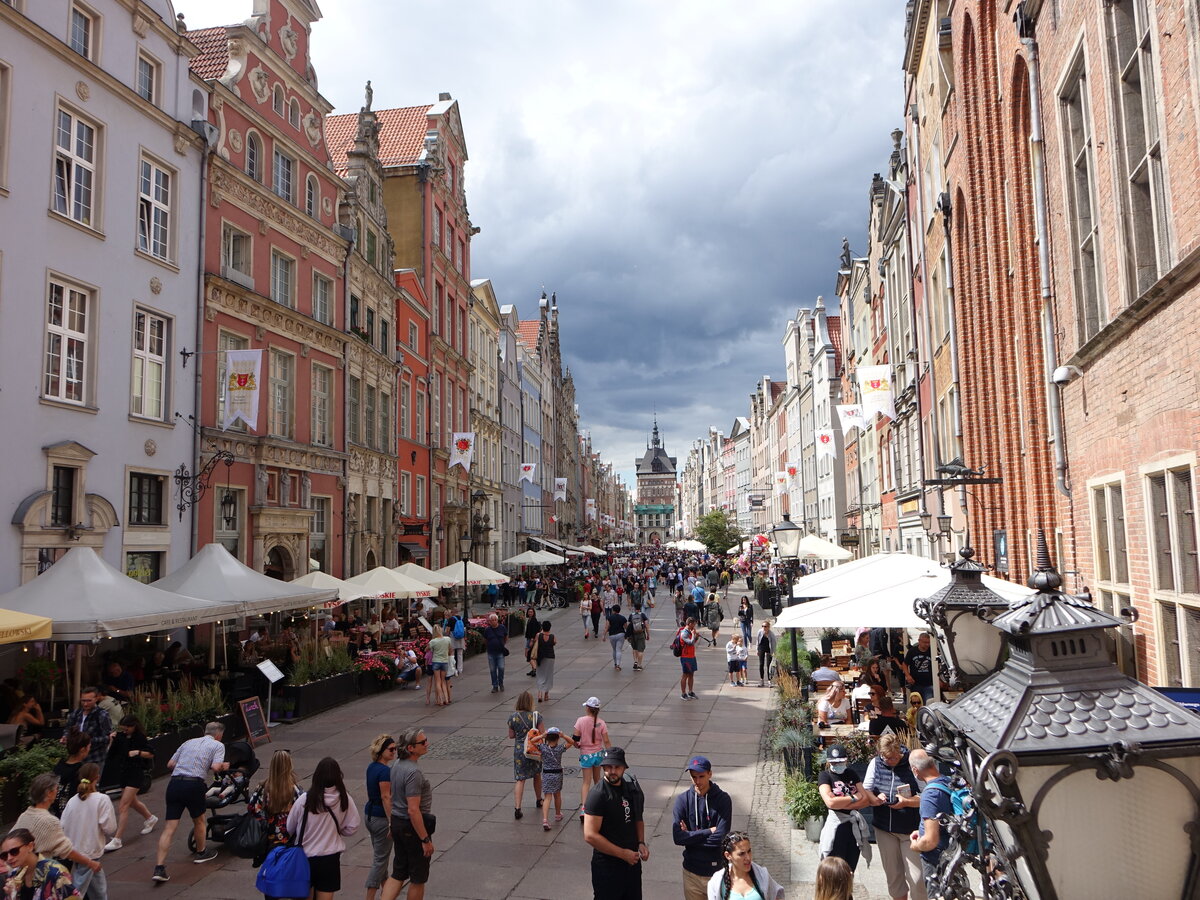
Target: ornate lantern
(960, 616)
(1088, 780)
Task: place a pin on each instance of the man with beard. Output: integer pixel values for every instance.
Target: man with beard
(613, 826)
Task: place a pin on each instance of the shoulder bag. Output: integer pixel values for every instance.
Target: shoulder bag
(285, 872)
(248, 838)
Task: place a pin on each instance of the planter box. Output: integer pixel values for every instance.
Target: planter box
(317, 696)
(812, 829)
(370, 684)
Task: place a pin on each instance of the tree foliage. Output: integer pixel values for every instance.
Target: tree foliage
(718, 531)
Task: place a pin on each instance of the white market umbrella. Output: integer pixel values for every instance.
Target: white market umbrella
(528, 558)
(596, 551)
(690, 545)
(550, 559)
(383, 582)
(422, 574)
(813, 547)
(215, 574)
(474, 574)
(326, 582)
(877, 592)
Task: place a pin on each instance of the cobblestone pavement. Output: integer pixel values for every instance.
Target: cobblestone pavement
(481, 852)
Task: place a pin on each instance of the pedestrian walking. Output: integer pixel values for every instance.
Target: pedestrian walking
(745, 616)
(740, 876)
(553, 745)
(845, 831)
(713, 615)
(891, 781)
(524, 719)
(597, 607)
(495, 639)
(542, 659)
(93, 721)
(378, 809)
(413, 822)
(638, 634)
(44, 826)
(591, 735)
(132, 758)
(688, 635)
(273, 800)
(79, 744)
(532, 628)
(614, 630)
(320, 835)
(700, 820)
(458, 641)
(585, 613)
(88, 821)
(614, 829)
(191, 767)
(29, 874)
(767, 641)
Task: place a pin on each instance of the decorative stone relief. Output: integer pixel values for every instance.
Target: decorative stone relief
(302, 227)
(150, 447)
(235, 140)
(260, 84)
(141, 25)
(260, 332)
(304, 351)
(312, 128)
(214, 199)
(218, 103)
(182, 144)
(155, 285)
(83, 90)
(327, 206)
(288, 39)
(262, 226)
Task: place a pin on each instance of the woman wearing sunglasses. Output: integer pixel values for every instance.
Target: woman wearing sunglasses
(28, 874)
(378, 809)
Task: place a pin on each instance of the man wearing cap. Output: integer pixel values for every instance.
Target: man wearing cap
(613, 826)
(699, 823)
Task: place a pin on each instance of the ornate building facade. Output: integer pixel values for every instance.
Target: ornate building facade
(654, 512)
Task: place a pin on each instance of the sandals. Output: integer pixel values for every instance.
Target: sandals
(558, 817)
(545, 825)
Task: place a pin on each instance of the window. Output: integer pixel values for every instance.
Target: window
(322, 291)
(277, 100)
(1081, 191)
(82, 35)
(145, 499)
(320, 531)
(312, 196)
(435, 322)
(405, 492)
(254, 157)
(385, 338)
(62, 496)
(144, 565)
(281, 394)
(369, 418)
(353, 395)
(448, 247)
(1173, 532)
(226, 532)
(419, 425)
(460, 254)
(355, 314)
(294, 114)
(414, 337)
(5, 135)
(420, 511)
(227, 341)
(435, 411)
(405, 394)
(283, 271)
(322, 387)
(1140, 164)
(283, 181)
(437, 225)
(74, 167)
(372, 248)
(370, 329)
(146, 79)
(154, 210)
(235, 256)
(68, 313)
(149, 365)
(385, 422)
(1108, 516)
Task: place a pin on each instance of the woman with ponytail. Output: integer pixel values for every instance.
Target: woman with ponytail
(88, 821)
(742, 878)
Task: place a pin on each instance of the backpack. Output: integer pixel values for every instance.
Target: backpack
(677, 644)
(460, 630)
(963, 806)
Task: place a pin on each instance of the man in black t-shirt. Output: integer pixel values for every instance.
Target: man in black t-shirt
(613, 826)
(615, 630)
(918, 667)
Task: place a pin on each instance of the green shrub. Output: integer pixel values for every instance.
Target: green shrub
(802, 799)
(20, 766)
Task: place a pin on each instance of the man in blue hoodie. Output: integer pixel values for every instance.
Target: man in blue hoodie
(699, 823)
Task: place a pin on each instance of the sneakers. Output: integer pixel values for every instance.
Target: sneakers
(160, 874)
(206, 855)
(684, 697)
(692, 695)
(114, 844)
(146, 829)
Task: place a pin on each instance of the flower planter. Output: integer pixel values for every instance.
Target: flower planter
(317, 696)
(812, 829)
(368, 683)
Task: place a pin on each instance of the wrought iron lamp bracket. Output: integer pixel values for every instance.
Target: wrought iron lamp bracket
(193, 487)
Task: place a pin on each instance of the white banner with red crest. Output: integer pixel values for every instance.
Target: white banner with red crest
(851, 415)
(527, 470)
(560, 489)
(462, 450)
(243, 374)
(826, 445)
(875, 388)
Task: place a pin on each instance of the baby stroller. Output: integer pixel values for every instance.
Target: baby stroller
(229, 787)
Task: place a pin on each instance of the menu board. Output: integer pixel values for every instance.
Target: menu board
(257, 731)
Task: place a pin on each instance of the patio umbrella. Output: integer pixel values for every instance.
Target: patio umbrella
(18, 626)
(528, 558)
(813, 547)
(324, 581)
(422, 574)
(474, 574)
(383, 582)
(550, 559)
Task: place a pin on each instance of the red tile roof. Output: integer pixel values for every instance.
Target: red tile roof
(527, 333)
(213, 58)
(834, 325)
(401, 135)
(777, 388)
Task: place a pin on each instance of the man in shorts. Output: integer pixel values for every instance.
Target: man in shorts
(191, 767)
(688, 635)
(412, 821)
(639, 633)
(410, 671)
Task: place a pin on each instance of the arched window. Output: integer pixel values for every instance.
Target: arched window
(294, 114)
(312, 196)
(277, 99)
(254, 157)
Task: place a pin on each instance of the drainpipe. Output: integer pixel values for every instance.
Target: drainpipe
(201, 127)
(346, 537)
(1037, 145)
(954, 359)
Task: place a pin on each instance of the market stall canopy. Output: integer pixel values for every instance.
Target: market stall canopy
(423, 575)
(475, 574)
(215, 574)
(813, 547)
(87, 599)
(559, 547)
(877, 592)
(384, 582)
(18, 626)
(690, 545)
(325, 582)
(595, 551)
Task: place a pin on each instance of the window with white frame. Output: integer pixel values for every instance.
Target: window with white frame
(148, 390)
(437, 225)
(312, 196)
(283, 279)
(321, 299)
(322, 403)
(281, 394)
(385, 422)
(414, 337)
(435, 321)
(236, 255)
(82, 34)
(226, 532)
(283, 180)
(1081, 192)
(1176, 574)
(369, 417)
(319, 538)
(405, 492)
(75, 162)
(435, 411)
(419, 426)
(372, 250)
(68, 332)
(277, 100)
(254, 156)
(147, 78)
(405, 395)
(294, 113)
(353, 413)
(154, 209)
(420, 498)
(227, 341)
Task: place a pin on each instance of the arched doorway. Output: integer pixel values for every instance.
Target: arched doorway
(371, 563)
(279, 564)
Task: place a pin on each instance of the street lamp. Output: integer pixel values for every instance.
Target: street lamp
(1060, 750)
(786, 536)
(960, 616)
(465, 545)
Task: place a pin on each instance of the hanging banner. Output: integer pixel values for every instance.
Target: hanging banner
(781, 479)
(851, 415)
(243, 373)
(462, 450)
(527, 470)
(793, 472)
(875, 388)
(826, 446)
(553, 519)
(589, 508)
(560, 489)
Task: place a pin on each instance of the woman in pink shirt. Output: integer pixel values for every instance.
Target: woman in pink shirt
(319, 819)
(591, 734)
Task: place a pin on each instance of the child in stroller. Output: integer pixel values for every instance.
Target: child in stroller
(229, 787)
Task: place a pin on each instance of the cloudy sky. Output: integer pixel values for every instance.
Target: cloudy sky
(680, 172)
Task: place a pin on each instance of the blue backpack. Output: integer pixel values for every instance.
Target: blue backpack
(963, 806)
(285, 871)
(460, 630)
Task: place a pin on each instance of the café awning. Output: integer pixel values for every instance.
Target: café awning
(214, 574)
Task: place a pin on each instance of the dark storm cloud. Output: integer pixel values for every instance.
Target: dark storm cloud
(680, 173)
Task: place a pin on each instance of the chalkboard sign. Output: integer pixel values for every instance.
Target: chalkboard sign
(256, 721)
